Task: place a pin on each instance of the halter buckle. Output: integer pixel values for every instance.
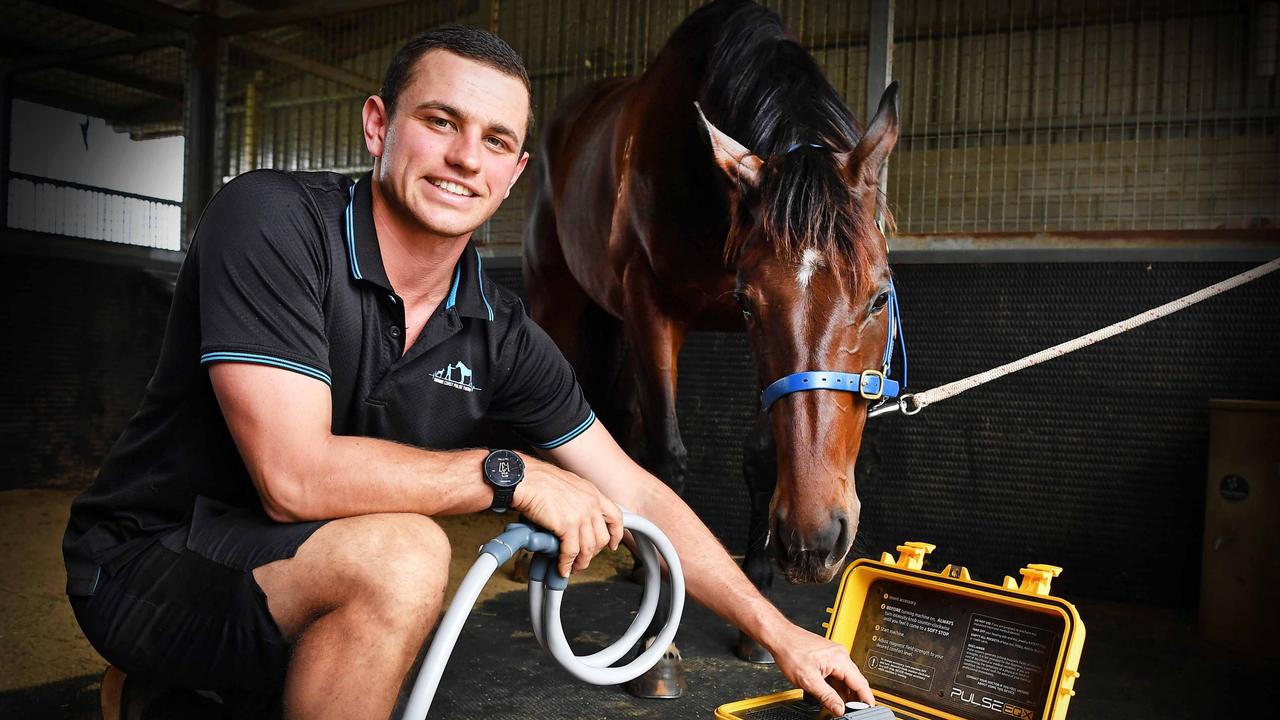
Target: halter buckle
(877, 391)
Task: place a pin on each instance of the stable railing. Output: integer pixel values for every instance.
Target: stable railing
(66, 208)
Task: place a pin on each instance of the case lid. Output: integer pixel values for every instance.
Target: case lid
(942, 646)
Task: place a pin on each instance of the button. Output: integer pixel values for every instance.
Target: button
(394, 332)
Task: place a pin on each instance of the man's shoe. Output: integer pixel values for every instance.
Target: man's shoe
(129, 697)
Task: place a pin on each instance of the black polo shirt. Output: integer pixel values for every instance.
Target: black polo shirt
(285, 270)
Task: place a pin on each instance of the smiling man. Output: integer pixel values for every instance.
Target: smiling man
(263, 526)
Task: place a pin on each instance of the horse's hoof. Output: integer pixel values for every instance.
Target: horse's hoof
(664, 680)
(752, 651)
(520, 568)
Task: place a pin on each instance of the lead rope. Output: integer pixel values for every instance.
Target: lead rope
(913, 403)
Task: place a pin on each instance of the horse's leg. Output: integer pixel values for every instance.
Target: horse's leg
(760, 470)
(655, 338)
(556, 301)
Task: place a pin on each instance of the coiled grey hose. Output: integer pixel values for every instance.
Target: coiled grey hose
(546, 593)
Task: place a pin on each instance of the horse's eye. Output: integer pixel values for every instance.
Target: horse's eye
(744, 304)
(881, 300)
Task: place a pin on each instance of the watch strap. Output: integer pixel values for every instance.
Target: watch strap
(502, 499)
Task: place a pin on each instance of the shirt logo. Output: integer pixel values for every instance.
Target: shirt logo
(456, 375)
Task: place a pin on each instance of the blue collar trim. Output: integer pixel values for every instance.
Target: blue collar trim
(453, 291)
(351, 232)
(480, 282)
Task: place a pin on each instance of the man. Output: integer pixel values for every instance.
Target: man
(265, 519)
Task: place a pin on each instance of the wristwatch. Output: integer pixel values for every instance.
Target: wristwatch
(503, 470)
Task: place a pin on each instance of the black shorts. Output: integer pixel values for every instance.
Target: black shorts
(187, 611)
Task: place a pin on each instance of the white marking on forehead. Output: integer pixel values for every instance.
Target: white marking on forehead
(812, 260)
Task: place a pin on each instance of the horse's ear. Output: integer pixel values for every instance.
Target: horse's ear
(867, 160)
(739, 163)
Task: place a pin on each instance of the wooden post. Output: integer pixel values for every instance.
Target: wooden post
(6, 138)
(199, 123)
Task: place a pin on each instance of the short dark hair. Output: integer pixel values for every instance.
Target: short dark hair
(469, 42)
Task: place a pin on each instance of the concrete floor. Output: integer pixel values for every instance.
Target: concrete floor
(1139, 663)
(43, 652)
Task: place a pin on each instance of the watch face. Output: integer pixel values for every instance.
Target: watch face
(503, 468)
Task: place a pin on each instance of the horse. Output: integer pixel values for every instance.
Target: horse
(728, 187)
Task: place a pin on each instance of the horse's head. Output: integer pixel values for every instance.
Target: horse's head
(813, 284)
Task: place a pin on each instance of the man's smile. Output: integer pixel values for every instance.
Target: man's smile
(452, 187)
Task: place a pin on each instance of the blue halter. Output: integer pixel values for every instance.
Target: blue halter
(870, 384)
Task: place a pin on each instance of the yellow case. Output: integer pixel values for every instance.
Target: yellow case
(943, 646)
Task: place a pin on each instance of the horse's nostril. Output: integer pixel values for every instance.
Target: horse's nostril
(837, 551)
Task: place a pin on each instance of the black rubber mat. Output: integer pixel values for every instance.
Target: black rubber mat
(1139, 663)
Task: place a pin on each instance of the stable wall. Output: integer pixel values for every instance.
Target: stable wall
(1095, 462)
(80, 342)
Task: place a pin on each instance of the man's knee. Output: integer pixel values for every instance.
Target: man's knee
(395, 558)
(391, 568)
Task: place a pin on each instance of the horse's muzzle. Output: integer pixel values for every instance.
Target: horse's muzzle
(813, 557)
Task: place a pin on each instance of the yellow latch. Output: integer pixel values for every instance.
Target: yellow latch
(911, 554)
(1067, 684)
(1037, 578)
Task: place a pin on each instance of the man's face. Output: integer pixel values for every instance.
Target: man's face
(452, 151)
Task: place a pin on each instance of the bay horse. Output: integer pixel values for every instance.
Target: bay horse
(727, 186)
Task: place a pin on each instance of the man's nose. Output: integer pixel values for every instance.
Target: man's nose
(464, 152)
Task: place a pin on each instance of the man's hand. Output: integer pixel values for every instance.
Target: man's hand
(572, 509)
(810, 662)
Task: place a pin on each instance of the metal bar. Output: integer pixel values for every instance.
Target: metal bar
(274, 52)
(199, 125)
(1029, 255)
(49, 245)
(39, 180)
(1104, 122)
(836, 40)
(126, 46)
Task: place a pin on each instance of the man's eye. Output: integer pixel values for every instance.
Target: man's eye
(439, 122)
(496, 142)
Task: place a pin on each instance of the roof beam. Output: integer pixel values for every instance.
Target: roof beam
(152, 113)
(115, 75)
(143, 84)
(285, 56)
(167, 14)
(125, 46)
(304, 12)
(139, 17)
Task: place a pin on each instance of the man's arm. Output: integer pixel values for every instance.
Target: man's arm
(281, 422)
(711, 576)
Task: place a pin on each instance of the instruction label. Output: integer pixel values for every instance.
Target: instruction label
(975, 658)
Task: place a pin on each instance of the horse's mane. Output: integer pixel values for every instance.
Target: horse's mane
(765, 91)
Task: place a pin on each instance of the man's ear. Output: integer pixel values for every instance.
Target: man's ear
(520, 166)
(375, 124)
(739, 163)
